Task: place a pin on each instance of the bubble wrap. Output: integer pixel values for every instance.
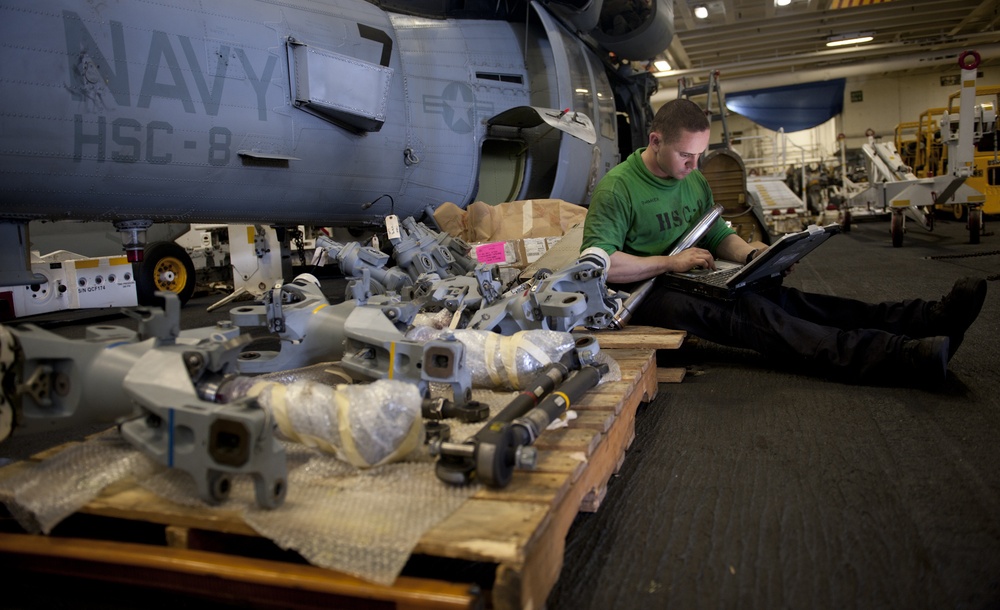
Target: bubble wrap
(363, 522)
(44, 493)
(499, 361)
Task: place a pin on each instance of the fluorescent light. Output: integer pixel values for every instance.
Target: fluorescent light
(701, 11)
(839, 41)
(782, 2)
(661, 65)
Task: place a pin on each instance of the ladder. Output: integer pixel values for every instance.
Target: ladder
(687, 90)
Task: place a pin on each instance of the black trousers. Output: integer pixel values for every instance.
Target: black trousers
(845, 338)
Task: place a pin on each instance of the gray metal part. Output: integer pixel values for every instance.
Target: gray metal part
(444, 362)
(571, 297)
(74, 382)
(322, 332)
(375, 349)
(183, 432)
(648, 40)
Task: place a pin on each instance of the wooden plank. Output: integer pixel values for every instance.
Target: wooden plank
(570, 462)
(569, 439)
(127, 500)
(649, 337)
(594, 419)
(496, 531)
(670, 375)
(540, 487)
(201, 572)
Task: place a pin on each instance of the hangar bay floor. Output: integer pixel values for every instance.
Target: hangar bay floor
(754, 488)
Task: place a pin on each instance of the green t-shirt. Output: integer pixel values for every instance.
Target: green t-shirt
(635, 212)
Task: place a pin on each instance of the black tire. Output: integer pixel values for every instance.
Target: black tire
(975, 224)
(896, 228)
(165, 267)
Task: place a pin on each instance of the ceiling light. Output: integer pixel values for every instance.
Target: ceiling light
(701, 11)
(661, 65)
(846, 39)
(782, 2)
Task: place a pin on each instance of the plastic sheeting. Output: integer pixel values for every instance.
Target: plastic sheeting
(792, 107)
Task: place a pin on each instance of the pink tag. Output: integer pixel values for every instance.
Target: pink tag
(491, 253)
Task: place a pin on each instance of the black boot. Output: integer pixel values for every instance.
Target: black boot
(925, 361)
(957, 310)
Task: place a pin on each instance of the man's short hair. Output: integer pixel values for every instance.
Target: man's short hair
(679, 115)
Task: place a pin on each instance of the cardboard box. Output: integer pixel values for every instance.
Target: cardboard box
(482, 223)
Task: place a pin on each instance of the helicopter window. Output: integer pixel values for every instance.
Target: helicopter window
(622, 17)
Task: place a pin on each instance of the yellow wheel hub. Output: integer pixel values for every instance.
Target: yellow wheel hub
(170, 275)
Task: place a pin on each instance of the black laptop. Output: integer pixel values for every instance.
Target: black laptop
(767, 269)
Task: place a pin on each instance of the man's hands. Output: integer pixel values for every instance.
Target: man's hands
(627, 268)
(691, 258)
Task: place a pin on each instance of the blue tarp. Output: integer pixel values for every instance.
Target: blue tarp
(793, 107)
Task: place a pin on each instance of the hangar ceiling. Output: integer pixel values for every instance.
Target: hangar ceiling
(756, 44)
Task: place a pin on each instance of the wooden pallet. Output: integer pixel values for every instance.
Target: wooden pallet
(519, 531)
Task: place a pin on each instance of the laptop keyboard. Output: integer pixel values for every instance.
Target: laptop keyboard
(719, 278)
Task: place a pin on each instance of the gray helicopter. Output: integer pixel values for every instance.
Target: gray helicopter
(307, 112)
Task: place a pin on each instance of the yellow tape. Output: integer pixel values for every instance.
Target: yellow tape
(564, 397)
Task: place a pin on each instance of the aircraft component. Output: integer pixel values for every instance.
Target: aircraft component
(353, 257)
(577, 125)
(318, 82)
(576, 295)
(133, 238)
(504, 442)
(420, 251)
(56, 383)
(365, 425)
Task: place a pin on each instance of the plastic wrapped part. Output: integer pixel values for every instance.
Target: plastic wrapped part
(46, 492)
(329, 373)
(440, 319)
(365, 424)
(503, 361)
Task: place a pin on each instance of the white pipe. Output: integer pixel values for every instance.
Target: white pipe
(765, 81)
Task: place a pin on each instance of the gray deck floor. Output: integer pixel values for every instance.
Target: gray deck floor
(753, 488)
